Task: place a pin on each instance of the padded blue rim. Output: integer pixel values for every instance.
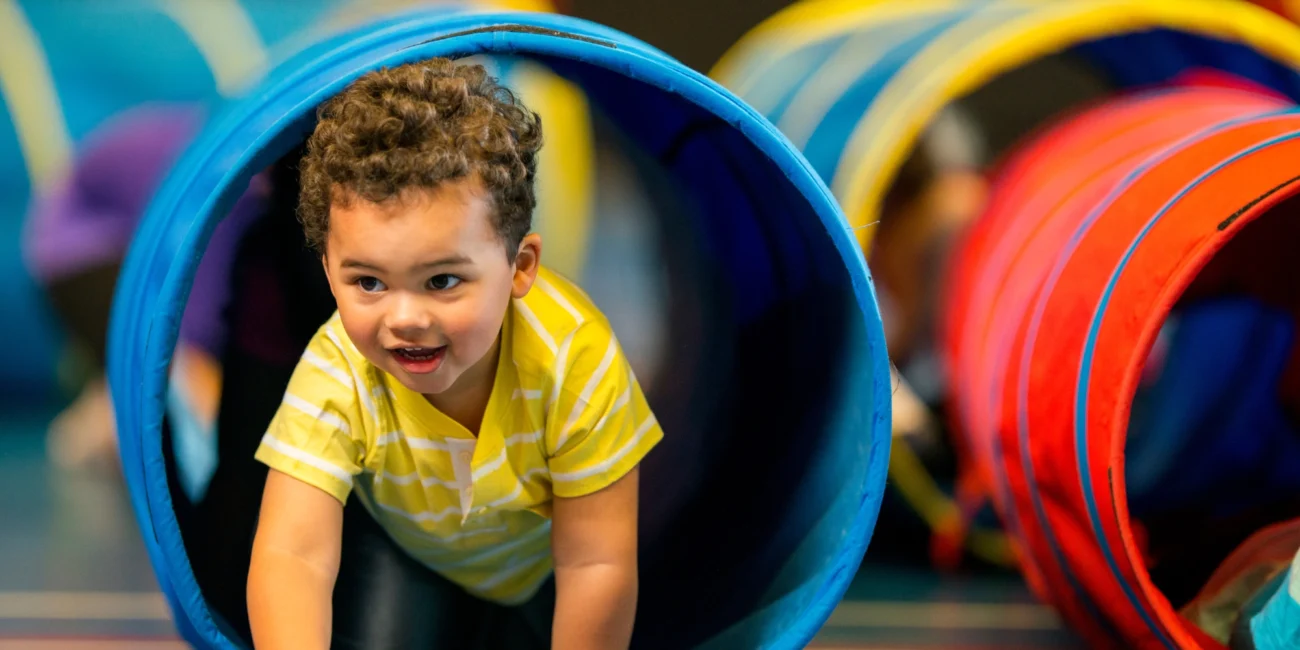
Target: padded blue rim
(252, 133)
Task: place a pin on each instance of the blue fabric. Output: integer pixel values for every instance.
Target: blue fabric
(1211, 429)
(789, 74)
(766, 215)
(1277, 626)
(96, 69)
(194, 443)
(1157, 55)
(826, 144)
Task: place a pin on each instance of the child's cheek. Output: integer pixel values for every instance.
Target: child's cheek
(473, 325)
(362, 328)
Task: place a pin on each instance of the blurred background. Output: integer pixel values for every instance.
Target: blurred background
(98, 98)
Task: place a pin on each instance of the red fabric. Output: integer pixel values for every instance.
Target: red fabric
(1212, 78)
(1041, 197)
(1160, 266)
(1278, 7)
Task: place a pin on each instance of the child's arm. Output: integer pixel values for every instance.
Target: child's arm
(295, 562)
(594, 544)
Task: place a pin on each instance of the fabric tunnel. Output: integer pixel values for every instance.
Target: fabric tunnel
(770, 380)
(1282, 8)
(861, 88)
(93, 80)
(853, 84)
(1150, 434)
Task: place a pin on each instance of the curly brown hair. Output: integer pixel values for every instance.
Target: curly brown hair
(415, 126)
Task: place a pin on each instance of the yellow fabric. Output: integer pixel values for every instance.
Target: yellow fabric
(565, 187)
(743, 65)
(566, 418)
(28, 90)
(224, 34)
(355, 12)
(967, 56)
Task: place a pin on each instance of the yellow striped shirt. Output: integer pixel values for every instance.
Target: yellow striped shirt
(566, 417)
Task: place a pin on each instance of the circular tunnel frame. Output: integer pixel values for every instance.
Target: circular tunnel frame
(978, 45)
(251, 134)
(1115, 253)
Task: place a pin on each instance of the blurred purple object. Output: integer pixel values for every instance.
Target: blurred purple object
(86, 220)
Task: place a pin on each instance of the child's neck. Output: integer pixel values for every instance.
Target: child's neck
(467, 400)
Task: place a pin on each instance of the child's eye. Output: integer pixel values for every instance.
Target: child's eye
(369, 284)
(443, 281)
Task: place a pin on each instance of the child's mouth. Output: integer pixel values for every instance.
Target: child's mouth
(419, 360)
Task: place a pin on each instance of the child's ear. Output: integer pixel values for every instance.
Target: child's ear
(528, 260)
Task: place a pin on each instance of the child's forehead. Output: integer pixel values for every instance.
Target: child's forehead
(468, 191)
(437, 220)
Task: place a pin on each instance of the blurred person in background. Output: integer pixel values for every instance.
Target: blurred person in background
(76, 237)
(937, 192)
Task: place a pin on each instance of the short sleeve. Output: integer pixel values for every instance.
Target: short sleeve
(601, 426)
(317, 436)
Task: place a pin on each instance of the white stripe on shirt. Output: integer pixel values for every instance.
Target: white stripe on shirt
(329, 331)
(422, 516)
(471, 533)
(328, 368)
(317, 412)
(425, 443)
(407, 479)
(414, 443)
(536, 471)
(550, 290)
(561, 363)
(519, 489)
(584, 399)
(538, 328)
(365, 398)
(506, 547)
(520, 438)
(404, 479)
(490, 466)
(618, 404)
(431, 552)
(306, 458)
(434, 480)
(610, 461)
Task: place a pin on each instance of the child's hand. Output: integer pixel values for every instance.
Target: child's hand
(594, 543)
(295, 562)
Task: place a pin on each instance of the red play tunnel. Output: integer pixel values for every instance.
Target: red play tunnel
(1119, 333)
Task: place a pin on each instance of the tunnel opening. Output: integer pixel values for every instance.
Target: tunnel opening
(1212, 455)
(749, 325)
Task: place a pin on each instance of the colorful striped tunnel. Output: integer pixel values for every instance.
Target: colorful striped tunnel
(1148, 226)
(1120, 327)
(853, 83)
(70, 75)
(756, 508)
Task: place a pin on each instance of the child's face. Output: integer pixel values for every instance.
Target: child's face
(423, 283)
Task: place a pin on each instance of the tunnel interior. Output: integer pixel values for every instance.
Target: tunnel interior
(741, 316)
(1213, 448)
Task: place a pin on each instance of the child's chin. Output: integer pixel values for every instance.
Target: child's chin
(423, 385)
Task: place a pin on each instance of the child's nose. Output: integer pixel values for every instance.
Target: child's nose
(409, 315)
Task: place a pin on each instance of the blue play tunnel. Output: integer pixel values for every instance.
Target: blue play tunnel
(773, 389)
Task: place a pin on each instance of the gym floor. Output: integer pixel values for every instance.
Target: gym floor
(74, 574)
